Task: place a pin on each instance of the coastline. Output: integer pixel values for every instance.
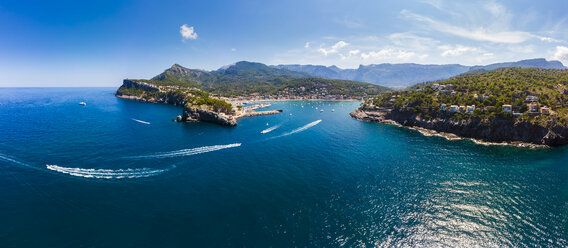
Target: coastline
(235, 100)
(380, 117)
(196, 113)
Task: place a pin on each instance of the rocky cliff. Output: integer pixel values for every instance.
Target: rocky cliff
(197, 105)
(146, 92)
(490, 130)
(191, 113)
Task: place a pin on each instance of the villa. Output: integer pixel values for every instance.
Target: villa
(507, 108)
(545, 110)
(533, 108)
(470, 109)
(454, 108)
(531, 99)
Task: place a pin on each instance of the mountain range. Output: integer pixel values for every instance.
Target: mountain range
(407, 74)
(246, 78)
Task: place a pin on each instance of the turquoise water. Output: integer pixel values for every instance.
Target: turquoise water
(118, 182)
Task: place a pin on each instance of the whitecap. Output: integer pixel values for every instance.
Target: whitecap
(187, 152)
(270, 129)
(143, 122)
(107, 173)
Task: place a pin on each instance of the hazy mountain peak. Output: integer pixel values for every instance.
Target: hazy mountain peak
(406, 74)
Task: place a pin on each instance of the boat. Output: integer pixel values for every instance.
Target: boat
(267, 124)
(332, 110)
(83, 103)
(321, 110)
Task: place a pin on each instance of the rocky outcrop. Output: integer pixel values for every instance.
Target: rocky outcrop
(128, 83)
(490, 130)
(144, 92)
(191, 113)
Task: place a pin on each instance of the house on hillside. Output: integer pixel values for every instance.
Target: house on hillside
(454, 108)
(545, 110)
(533, 108)
(507, 108)
(531, 99)
(470, 109)
(443, 107)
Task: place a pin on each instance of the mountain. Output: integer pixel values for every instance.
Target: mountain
(403, 75)
(245, 78)
(538, 63)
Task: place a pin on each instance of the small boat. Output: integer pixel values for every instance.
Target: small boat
(316, 108)
(290, 114)
(267, 124)
(332, 110)
(83, 103)
(321, 110)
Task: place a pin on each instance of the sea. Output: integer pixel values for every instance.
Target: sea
(121, 173)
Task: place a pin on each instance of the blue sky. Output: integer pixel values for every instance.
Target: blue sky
(88, 43)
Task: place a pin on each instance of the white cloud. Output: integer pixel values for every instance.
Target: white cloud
(307, 45)
(187, 32)
(434, 3)
(477, 33)
(233, 49)
(548, 39)
(334, 49)
(561, 54)
(457, 50)
(388, 53)
(354, 52)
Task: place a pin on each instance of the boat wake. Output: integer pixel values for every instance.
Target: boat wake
(107, 173)
(300, 129)
(270, 129)
(9, 159)
(187, 152)
(143, 122)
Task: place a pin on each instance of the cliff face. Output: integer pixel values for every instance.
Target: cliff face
(492, 130)
(145, 92)
(196, 114)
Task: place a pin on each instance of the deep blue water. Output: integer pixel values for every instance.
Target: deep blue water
(340, 182)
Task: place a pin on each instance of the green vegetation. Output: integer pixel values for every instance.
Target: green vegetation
(218, 105)
(179, 85)
(189, 97)
(311, 86)
(488, 91)
(246, 78)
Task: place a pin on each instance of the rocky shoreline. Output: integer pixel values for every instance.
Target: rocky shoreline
(195, 114)
(191, 112)
(496, 131)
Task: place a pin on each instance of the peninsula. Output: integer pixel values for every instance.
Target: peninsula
(516, 106)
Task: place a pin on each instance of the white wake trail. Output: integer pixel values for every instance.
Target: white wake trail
(6, 158)
(270, 129)
(187, 152)
(107, 173)
(300, 129)
(143, 122)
